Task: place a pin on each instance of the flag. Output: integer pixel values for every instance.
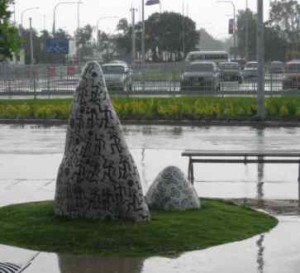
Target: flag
(152, 2)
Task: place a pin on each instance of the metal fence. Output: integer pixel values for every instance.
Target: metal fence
(147, 79)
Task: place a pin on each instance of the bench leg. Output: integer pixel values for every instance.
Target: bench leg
(299, 184)
(191, 172)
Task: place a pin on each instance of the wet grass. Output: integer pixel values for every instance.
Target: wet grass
(34, 226)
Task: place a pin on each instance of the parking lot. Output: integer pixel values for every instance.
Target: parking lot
(158, 79)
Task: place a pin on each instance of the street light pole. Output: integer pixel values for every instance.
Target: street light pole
(25, 10)
(97, 25)
(133, 10)
(31, 41)
(234, 27)
(54, 13)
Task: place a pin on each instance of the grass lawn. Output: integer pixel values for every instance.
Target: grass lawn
(34, 226)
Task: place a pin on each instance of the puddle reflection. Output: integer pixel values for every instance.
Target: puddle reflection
(260, 254)
(74, 264)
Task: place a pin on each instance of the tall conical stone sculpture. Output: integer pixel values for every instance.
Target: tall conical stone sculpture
(97, 177)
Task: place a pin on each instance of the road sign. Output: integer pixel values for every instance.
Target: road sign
(59, 46)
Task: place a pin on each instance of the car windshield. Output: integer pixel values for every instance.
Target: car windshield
(293, 68)
(113, 69)
(199, 67)
(229, 66)
(251, 65)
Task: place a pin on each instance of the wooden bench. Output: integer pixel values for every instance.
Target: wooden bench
(245, 157)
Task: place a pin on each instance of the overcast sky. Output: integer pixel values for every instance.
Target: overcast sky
(212, 15)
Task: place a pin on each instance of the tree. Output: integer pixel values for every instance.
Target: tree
(123, 26)
(84, 41)
(107, 46)
(284, 15)
(171, 32)
(9, 40)
(285, 20)
(246, 23)
(276, 46)
(123, 40)
(164, 32)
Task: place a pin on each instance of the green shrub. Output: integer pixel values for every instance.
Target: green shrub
(176, 108)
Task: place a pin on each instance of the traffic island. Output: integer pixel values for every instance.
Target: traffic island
(169, 233)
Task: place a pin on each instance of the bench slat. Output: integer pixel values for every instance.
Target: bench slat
(244, 153)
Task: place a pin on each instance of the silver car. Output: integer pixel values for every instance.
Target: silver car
(230, 71)
(250, 71)
(200, 75)
(118, 76)
(291, 78)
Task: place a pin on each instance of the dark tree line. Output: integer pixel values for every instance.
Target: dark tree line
(281, 32)
(166, 32)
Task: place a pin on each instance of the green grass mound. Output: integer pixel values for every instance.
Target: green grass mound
(34, 226)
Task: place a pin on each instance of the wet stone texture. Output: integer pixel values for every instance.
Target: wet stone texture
(97, 177)
(172, 191)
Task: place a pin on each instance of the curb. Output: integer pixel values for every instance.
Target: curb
(199, 123)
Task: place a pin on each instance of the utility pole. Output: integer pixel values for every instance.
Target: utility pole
(260, 59)
(31, 58)
(234, 26)
(183, 32)
(31, 42)
(133, 10)
(143, 32)
(247, 34)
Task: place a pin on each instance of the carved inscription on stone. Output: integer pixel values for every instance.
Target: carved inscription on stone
(97, 177)
(172, 191)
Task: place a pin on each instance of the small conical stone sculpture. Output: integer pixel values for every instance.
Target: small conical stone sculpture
(97, 177)
(172, 191)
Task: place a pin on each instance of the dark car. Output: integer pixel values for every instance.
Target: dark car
(230, 71)
(118, 76)
(250, 71)
(291, 78)
(200, 76)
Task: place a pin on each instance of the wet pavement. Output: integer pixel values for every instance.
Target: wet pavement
(30, 155)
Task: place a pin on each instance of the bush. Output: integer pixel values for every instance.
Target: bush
(178, 108)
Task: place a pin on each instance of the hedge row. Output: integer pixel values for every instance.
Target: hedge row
(181, 108)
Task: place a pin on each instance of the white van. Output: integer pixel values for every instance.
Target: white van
(213, 56)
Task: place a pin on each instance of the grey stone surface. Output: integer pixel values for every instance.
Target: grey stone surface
(172, 191)
(97, 177)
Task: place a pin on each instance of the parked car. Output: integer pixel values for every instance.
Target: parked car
(291, 78)
(230, 71)
(277, 67)
(250, 70)
(118, 76)
(200, 75)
